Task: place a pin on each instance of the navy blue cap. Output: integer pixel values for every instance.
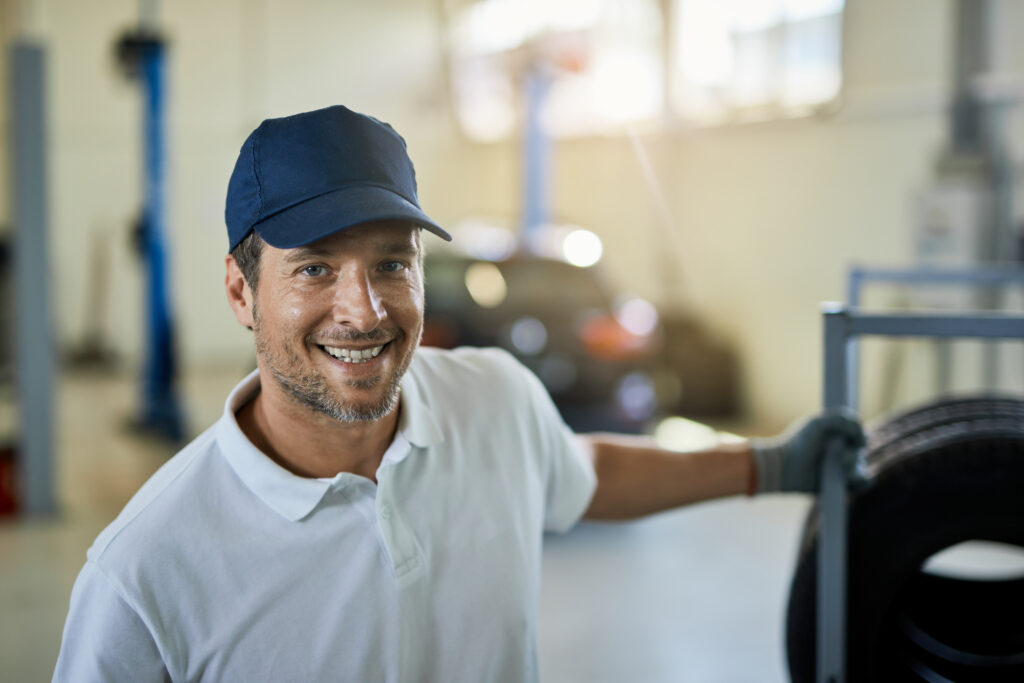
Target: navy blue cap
(303, 177)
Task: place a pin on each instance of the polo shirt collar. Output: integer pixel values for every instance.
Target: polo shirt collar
(294, 497)
(290, 495)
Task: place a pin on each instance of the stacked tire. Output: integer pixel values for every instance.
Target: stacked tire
(949, 472)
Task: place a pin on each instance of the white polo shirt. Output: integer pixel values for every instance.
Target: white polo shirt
(227, 567)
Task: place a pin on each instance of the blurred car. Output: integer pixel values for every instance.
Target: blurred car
(598, 357)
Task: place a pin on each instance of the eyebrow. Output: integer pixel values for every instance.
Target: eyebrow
(307, 252)
(398, 248)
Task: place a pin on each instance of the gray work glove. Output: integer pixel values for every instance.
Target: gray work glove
(792, 461)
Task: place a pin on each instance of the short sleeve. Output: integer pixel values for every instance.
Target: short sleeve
(104, 638)
(570, 479)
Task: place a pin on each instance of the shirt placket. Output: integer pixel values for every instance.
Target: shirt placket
(404, 551)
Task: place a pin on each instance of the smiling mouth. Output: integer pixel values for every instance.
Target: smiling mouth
(353, 355)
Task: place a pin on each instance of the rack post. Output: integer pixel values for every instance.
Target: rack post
(831, 606)
(842, 327)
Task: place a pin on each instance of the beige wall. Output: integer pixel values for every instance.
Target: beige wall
(766, 217)
(7, 24)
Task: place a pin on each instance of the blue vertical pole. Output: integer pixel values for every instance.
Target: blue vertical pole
(536, 159)
(161, 411)
(35, 348)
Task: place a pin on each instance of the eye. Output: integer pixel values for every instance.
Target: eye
(314, 271)
(392, 266)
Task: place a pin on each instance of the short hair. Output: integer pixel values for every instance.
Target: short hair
(247, 255)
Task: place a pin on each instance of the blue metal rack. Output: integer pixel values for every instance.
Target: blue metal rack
(843, 326)
(992, 277)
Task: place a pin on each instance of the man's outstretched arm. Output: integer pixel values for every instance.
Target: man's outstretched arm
(636, 478)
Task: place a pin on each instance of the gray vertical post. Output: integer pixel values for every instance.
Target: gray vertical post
(853, 287)
(33, 344)
(832, 505)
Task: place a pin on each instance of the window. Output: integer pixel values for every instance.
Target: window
(591, 66)
(753, 59)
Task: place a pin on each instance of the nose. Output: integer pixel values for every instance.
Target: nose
(357, 304)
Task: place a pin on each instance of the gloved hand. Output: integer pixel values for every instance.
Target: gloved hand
(792, 461)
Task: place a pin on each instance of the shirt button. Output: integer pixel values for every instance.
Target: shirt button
(385, 512)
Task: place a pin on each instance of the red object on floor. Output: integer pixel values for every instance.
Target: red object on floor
(10, 501)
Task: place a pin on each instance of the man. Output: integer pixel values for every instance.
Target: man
(364, 510)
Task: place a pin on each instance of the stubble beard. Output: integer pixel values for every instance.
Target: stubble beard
(310, 389)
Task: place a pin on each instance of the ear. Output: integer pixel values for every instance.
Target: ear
(240, 296)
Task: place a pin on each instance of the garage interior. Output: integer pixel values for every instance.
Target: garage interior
(710, 176)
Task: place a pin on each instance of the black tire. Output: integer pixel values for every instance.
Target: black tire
(940, 475)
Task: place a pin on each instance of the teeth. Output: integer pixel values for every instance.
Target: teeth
(354, 355)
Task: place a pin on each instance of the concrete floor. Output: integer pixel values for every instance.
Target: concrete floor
(692, 595)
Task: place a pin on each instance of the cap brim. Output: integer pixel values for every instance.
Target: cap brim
(329, 213)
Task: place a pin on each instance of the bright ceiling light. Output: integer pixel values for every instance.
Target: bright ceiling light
(582, 248)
